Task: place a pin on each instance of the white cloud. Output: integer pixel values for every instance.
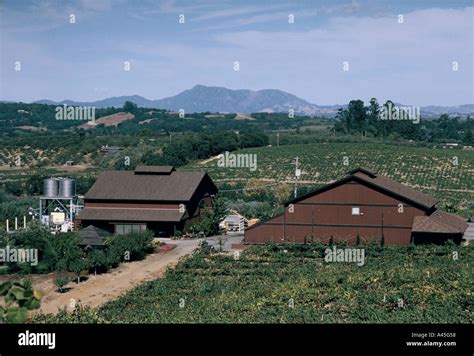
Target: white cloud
(379, 49)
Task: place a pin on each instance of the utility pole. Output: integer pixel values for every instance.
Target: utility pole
(297, 174)
(278, 139)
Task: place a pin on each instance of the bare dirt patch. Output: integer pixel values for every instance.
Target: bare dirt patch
(97, 290)
(74, 168)
(147, 121)
(240, 117)
(32, 128)
(110, 120)
(209, 160)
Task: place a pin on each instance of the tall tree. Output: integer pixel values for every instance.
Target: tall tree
(374, 111)
(357, 114)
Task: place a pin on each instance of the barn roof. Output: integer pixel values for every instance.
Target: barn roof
(93, 236)
(370, 178)
(439, 222)
(150, 183)
(131, 214)
(154, 169)
(395, 187)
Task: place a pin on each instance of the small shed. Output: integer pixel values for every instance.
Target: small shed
(234, 222)
(93, 236)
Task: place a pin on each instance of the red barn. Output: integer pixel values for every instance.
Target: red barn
(156, 198)
(363, 204)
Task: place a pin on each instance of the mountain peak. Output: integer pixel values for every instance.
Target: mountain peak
(199, 86)
(201, 98)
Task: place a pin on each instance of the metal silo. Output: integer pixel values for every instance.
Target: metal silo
(50, 187)
(67, 187)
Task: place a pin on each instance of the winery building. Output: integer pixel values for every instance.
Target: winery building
(156, 198)
(366, 205)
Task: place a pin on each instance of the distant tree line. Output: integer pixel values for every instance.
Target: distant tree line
(370, 121)
(189, 147)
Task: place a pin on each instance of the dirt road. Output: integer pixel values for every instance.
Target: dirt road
(102, 288)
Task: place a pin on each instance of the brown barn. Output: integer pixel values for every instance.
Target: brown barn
(363, 204)
(156, 198)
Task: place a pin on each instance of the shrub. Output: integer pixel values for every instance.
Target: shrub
(67, 251)
(60, 281)
(18, 299)
(130, 247)
(77, 266)
(35, 236)
(210, 219)
(97, 261)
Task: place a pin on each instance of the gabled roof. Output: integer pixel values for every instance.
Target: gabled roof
(147, 185)
(439, 222)
(453, 221)
(395, 187)
(92, 235)
(387, 185)
(127, 214)
(154, 169)
(364, 170)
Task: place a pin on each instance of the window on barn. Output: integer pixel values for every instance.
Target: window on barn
(127, 229)
(135, 228)
(124, 229)
(355, 211)
(119, 229)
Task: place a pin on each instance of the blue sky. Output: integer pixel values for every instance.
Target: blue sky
(409, 62)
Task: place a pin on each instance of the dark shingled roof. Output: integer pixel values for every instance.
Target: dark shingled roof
(363, 170)
(154, 169)
(126, 185)
(395, 187)
(128, 214)
(93, 236)
(439, 222)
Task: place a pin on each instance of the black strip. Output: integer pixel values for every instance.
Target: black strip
(337, 339)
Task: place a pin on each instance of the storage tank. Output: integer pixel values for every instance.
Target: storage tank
(50, 187)
(67, 187)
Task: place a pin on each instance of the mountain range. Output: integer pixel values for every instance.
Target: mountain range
(202, 98)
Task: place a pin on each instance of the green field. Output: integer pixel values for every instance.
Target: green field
(430, 170)
(294, 284)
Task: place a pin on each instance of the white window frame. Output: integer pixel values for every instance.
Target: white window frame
(356, 210)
